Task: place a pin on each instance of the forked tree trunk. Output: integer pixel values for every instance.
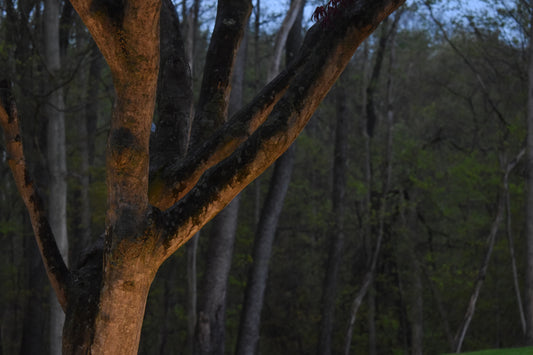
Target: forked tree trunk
(105, 296)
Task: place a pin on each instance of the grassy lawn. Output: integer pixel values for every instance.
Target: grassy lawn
(514, 351)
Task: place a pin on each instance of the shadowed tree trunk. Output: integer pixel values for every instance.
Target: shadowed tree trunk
(529, 198)
(337, 229)
(153, 210)
(249, 327)
(56, 156)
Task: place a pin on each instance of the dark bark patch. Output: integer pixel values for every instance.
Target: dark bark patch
(112, 9)
(121, 139)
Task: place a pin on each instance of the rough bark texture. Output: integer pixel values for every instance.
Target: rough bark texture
(104, 297)
(174, 98)
(210, 330)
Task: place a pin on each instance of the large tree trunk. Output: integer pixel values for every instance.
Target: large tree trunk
(57, 162)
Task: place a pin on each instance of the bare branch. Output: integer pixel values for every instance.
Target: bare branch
(174, 97)
(54, 264)
(328, 50)
(232, 17)
(173, 181)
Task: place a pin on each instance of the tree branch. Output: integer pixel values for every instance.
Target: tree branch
(232, 17)
(172, 181)
(174, 97)
(54, 264)
(329, 51)
(127, 34)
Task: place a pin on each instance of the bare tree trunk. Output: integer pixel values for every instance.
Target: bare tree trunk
(192, 291)
(366, 287)
(461, 333)
(338, 207)
(510, 240)
(56, 154)
(529, 198)
(249, 327)
(210, 326)
(248, 339)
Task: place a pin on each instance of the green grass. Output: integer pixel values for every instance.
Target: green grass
(512, 351)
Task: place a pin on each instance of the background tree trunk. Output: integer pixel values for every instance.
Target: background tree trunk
(529, 200)
(56, 154)
(249, 327)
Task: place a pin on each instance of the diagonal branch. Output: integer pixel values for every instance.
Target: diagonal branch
(54, 264)
(329, 51)
(232, 17)
(170, 183)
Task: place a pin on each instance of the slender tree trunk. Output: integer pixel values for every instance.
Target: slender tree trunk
(249, 328)
(248, 338)
(337, 240)
(210, 326)
(459, 337)
(461, 333)
(56, 154)
(192, 290)
(510, 240)
(529, 198)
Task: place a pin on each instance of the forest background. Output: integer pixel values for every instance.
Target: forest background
(403, 220)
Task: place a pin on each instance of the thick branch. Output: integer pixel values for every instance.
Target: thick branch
(232, 17)
(330, 49)
(54, 264)
(176, 179)
(127, 33)
(174, 97)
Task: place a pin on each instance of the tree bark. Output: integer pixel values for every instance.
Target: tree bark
(211, 317)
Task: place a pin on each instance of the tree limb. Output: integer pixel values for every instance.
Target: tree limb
(329, 50)
(172, 181)
(174, 96)
(232, 17)
(54, 264)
